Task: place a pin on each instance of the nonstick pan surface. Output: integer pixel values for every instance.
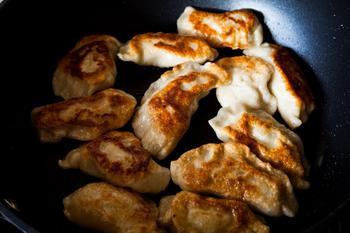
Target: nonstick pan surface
(35, 35)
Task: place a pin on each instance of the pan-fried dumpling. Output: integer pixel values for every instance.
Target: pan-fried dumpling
(87, 68)
(190, 212)
(271, 141)
(105, 208)
(238, 29)
(84, 118)
(249, 86)
(119, 158)
(232, 171)
(166, 50)
(294, 98)
(168, 104)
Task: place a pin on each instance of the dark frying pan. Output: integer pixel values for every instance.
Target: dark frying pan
(34, 36)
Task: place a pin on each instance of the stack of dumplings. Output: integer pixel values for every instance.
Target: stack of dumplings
(225, 185)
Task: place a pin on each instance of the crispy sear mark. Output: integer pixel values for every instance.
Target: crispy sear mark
(49, 116)
(190, 212)
(105, 208)
(232, 29)
(293, 75)
(87, 68)
(174, 43)
(84, 118)
(138, 158)
(89, 60)
(180, 100)
(279, 155)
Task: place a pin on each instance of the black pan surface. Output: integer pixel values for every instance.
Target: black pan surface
(35, 35)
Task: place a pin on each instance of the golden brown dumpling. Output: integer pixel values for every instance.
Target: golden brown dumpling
(238, 29)
(271, 141)
(232, 171)
(87, 68)
(166, 50)
(84, 118)
(119, 158)
(168, 104)
(105, 208)
(190, 212)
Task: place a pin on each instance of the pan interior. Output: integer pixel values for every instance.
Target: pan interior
(34, 36)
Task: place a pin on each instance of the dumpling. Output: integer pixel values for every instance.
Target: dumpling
(87, 68)
(271, 141)
(238, 29)
(232, 171)
(249, 86)
(190, 212)
(294, 98)
(119, 158)
(105, 208)
(168, 104)
(166, 50)
(84, 118)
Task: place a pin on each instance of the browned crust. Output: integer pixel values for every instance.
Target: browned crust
(244, 217)
(139, 157)
(174, 43)
(190, 200)
(146, 210)
(175, 123)
(101, 49)
(107, 191)
(244, 26)
(220, 182)
(100, 54)
(85, 112)
(284, 157)
(293, 77)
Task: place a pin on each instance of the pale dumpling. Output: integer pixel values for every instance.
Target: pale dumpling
(232, 171)
(105, 208)
(166, 50)
(190, 212)
(238, 29)
(271, 141)
(294, 97)
(250, 77)
(167, 106)
(119, 158)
